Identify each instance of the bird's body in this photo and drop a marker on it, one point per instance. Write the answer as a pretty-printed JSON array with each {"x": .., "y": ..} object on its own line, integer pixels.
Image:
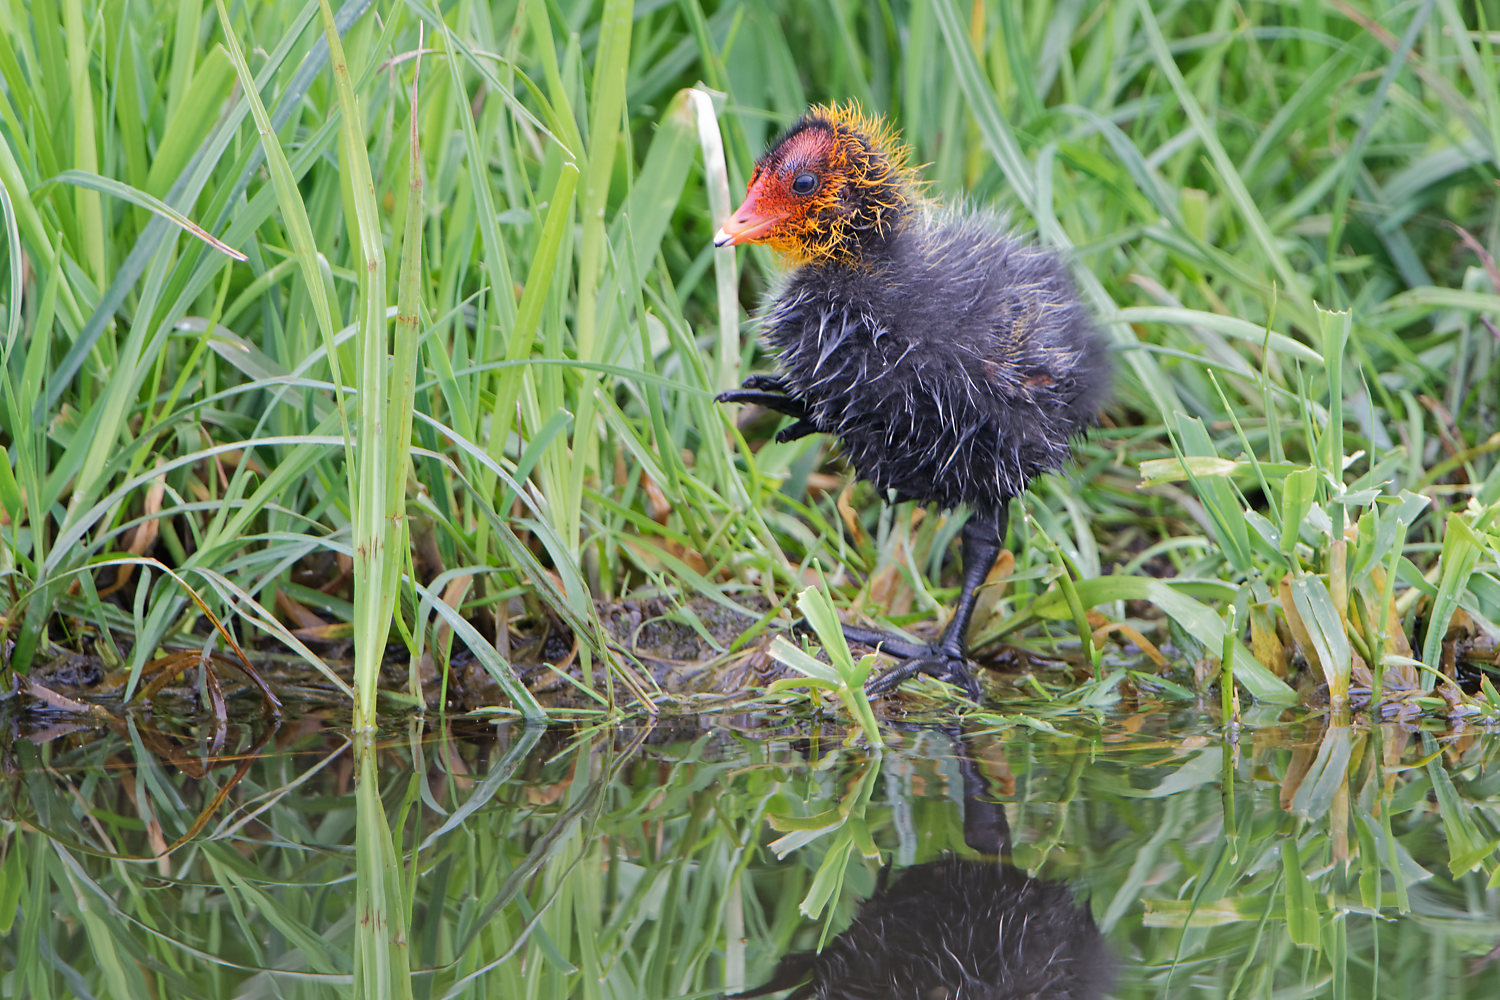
[
  {"x": 953, "y": 369},
  {"x": 953, "y": 362},
  {"x": 956, "y": 928}
]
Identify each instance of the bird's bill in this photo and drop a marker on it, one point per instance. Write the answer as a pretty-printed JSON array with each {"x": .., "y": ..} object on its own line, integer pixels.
[{"x": 748, "y": 224}]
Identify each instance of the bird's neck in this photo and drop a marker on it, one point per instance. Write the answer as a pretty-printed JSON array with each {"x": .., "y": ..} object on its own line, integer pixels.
[{"x": 865, "y": 245}]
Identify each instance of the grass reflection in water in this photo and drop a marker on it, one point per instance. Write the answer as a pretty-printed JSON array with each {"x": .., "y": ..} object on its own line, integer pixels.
[{"x": 680, "y": 863}]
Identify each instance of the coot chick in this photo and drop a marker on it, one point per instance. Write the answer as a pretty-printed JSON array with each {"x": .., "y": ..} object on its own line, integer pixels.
[
  {"x": 958, "y": 929},
  {"x": 953, "y": 361}
]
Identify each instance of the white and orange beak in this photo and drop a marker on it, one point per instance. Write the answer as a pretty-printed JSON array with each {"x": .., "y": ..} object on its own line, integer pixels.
[{"x": 749, "y": 222}]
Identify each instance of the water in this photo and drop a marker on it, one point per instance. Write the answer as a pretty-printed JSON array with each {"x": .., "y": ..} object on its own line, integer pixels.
[{"x": 673, "y": 861}]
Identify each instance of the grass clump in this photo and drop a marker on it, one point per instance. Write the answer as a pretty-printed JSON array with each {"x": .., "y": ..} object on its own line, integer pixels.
[{"x": 1285, "y": 216}]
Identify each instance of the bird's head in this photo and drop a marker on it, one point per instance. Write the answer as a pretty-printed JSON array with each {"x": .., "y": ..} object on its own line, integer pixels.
[{"x": 831, "y": 188}]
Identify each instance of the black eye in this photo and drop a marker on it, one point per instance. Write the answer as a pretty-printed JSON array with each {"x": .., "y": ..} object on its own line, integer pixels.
[{"x": 804, "y": 183}]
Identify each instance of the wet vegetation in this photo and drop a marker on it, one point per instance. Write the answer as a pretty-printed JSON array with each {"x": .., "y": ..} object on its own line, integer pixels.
[
  {"x": 1311, "y": 861},
  {"x": 1282, "y": 216},
  {"x": 358, "y": 359}
]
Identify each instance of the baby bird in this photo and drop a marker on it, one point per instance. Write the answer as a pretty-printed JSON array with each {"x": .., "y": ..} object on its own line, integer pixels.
[
  {"x": 960, "y": 928},
  {"x": 952, "y": 361}
]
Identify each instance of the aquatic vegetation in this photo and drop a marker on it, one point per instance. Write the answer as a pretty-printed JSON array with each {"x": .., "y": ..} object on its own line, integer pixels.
[
  {"x": 1283, "y": 219},
  {"x": 1310, "y": 860}
]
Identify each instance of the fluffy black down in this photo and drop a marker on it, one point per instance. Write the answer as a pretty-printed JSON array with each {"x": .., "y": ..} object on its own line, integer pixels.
[
  {"x": 957, "y": 930},
  {"x": 954, "y": 365}
]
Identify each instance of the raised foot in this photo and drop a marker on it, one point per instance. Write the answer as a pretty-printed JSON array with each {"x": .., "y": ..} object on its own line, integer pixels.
[
  {"x": 765, "y": 390},
  {"x": 766, "y": 383}
]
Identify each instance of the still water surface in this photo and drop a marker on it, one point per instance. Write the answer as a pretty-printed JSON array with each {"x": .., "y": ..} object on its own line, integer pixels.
[{"x": 1123, "y": 856}]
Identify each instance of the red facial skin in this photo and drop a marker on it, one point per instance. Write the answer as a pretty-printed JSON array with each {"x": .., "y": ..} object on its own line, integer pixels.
[
  {"x": 751, "y": 221},
  {"x": 834, "y": 174}
]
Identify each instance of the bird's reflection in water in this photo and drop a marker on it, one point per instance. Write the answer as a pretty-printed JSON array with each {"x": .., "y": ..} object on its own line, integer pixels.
[{"x": 958, "y": 929}]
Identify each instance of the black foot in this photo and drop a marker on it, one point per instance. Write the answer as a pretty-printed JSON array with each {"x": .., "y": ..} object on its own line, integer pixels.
[
  {"x": 937, "y": 664},
  {"x": 764, "y": 390},
  {"x": 797, "y": 431},
  {"x": 766, "y": 383},
  {"x": 918, "y": 658},
  {"x": 901, "y": 649},
  {"x": 770, "y": 400},
  {"x": 772, "y": 392}
]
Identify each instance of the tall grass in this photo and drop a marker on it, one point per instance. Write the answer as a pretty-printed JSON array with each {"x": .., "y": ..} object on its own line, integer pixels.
[{"x": 1284, "y": 216}]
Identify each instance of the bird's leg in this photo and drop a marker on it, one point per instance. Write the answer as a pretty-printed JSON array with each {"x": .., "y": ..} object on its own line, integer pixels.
[
  {"x": 772, "y": 392},
  {"x": 982, "y": 541},
  {"x": 948, "y": 658},
  {"x": 781, "y": 403},
  {"x": 985, "y": 827},
  {"x": 794, "y": 432}
]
